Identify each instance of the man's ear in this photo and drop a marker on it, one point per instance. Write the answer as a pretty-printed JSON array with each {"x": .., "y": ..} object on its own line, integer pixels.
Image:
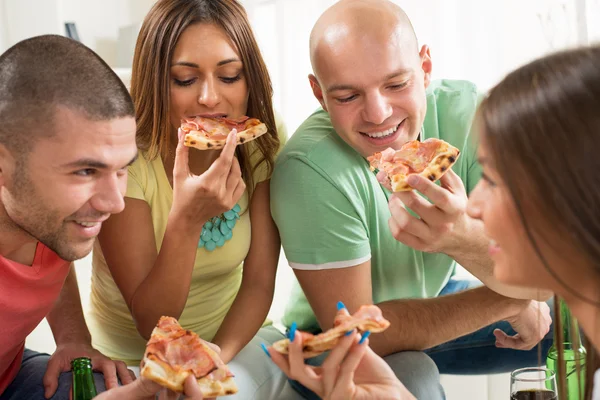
[
  {"x": 426, "y": 64},
  {"x": 316, "y": 89}
]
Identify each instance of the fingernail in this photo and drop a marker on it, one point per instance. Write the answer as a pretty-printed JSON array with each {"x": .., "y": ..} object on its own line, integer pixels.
[
  {"x": 265, "y": 350},
  {"x": 348, "y": 333},
  {"x": 340, "y": 305},
  {"x": 364, "y": 337},
  {"x": 292, "y": 332},
  {"x": 412, "y": 180},
  {"x": 179, "y": 134}
]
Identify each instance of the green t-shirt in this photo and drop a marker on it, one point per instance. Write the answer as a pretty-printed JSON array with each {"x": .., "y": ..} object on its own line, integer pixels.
[{"x": 332, "y": 213}]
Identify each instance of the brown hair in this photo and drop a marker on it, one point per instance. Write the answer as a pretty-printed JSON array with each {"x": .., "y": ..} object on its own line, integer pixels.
[
  {"x": 41, "y": 73},
  {"x": 541, "y": 125},
  {"x": 150, "y": 78}
]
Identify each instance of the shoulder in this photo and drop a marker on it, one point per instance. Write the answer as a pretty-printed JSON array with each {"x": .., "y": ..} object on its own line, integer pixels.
[
  {"x": 316, "y": 144},
  {"x": 453, "y": 99},
  {"x": 451, "y": 107},
  {"x": 143, "y": 167}
]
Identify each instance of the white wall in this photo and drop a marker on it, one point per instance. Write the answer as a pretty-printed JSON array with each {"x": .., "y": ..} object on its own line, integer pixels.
[
  {"x": 26, "y": 18},
  {"x": 97, "y": 21}
]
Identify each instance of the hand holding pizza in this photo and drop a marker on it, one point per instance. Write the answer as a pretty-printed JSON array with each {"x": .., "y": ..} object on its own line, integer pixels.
[
  {"x": 198, "y": 198},
  {"x": 441, "y": 221},
  {"x": 145, "y": 389},
  {"x": 352, "y": 371}
]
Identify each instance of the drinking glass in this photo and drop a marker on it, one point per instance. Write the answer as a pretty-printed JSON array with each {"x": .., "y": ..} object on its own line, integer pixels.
[{"x": 533, "y": 384}]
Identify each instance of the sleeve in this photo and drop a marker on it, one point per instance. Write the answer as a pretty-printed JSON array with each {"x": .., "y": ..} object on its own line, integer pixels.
[
  {"x": 319, "y": 227},
  {"x": 135, "y": 173},
  {"x": 261, "y": 173}
]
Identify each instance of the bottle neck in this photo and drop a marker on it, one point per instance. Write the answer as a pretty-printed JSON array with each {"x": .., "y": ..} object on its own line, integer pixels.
[{"x": 571, "y": 337}]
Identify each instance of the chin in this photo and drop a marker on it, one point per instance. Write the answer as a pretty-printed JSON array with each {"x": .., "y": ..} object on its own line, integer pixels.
[
  {"x": 74, "y": 253},
  {"x": 510, "y": 274}
]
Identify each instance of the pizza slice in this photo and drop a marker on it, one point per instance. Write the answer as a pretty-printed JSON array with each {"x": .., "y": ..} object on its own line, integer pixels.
[
  {"x": 367, "y": 318},
  {"x": 429, "y": 159},
  {"x": 173, "y": 353},
  {"x": 211, "y": 133}
]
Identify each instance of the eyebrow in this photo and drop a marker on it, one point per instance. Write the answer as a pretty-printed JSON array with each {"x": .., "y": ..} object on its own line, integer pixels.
[
  {"x": 334, "y": 88},
  {"x": 91, "y": 163},
  {"x": 194, "y": 65}
]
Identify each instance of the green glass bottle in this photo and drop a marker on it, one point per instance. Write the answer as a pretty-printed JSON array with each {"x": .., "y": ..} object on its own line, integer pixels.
[
  {"x": 84, "y": 387},
  {"x": 574, "y": 356}
]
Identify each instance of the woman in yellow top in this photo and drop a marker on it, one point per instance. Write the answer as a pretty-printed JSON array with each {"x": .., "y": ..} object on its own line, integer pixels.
[{"x": 192, "y": 243}]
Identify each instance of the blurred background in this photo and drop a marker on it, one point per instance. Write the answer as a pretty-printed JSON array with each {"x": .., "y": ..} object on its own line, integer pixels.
[{"x": 477, "y": 40}]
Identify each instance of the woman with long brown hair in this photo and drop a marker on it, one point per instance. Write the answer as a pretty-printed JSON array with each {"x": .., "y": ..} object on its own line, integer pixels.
[
  {"x": 196, "y": 240},
  {"x": 539, "y": 198}
]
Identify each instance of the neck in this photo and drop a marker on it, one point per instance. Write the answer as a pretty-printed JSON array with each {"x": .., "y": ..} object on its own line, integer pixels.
[
  {"x": 588, "y": 316},
  {"x": 15, "y": 244},
  {"x": 199, "y": 160}
]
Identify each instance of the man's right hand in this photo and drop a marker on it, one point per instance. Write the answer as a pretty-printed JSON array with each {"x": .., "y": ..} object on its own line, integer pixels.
[
  {"x": 145, "y": 389},
  {"x": 197, "y": 198},
  {"x": 532, "y": 323}
]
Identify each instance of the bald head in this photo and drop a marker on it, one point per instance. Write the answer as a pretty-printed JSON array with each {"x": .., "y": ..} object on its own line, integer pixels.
[{"x": 368, "y": 22}]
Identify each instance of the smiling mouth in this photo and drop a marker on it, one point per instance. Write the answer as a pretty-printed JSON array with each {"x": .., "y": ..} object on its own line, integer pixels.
[{"x": 383, "y": 134}]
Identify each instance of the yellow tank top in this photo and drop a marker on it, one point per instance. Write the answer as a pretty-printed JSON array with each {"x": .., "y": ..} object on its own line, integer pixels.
[{"x": 216, "y": 278}]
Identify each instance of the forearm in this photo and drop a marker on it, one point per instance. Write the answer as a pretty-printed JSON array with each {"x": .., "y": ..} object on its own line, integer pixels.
[
  {"x": 66, "y": 317},
  {"x": 245, "y": 317},
  {"x": 419, "y": 324},
  {"x": 169, "y": 279}
]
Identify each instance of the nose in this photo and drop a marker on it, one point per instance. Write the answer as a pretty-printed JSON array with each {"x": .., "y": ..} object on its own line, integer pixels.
[
  {"x": 475, "y": 203},
  {"x": 377, "y": 109},
  {"x": 209, "y": 94},
  {"x": 110, "y": 195}
]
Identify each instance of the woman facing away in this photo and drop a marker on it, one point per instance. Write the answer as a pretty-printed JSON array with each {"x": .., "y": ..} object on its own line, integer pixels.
[
  {"x": 194, "y": 58},
  {"x": 539, "y": 200}
]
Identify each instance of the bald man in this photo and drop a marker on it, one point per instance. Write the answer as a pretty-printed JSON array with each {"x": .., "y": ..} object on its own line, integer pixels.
[{"x": 350, "y": 239}]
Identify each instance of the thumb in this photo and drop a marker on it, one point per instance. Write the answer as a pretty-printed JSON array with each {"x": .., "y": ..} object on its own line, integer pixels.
[
  {"x": 503, "y": 341},
  {"x": 181, "y": 167},
  {"x": 50, "y": 379},
  {"x": 191, "y": 388},
  {"x": 451, "y": 181}
]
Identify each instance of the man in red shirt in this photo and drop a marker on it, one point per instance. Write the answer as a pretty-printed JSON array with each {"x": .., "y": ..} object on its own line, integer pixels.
[{"x": 67, "y": 135}]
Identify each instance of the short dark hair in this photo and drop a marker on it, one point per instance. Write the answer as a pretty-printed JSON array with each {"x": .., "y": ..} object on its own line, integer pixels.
[{"x": 39, "y": 74}]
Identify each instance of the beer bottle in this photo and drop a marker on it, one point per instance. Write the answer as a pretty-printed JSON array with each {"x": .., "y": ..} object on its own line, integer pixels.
[
  {"x": 83, "y": 379},
  {"x": 574, "y": 356}
]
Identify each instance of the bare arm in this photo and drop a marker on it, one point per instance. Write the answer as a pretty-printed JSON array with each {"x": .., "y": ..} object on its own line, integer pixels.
[
  {"x": 143, "y": 274},
  {"x": 66, "y": 317},
  {"x": 129, "y": 246},
  {"x": 73, "y": 340},
  {"x": 416, "y": 324},
  {"x": 252, "y": 303}
]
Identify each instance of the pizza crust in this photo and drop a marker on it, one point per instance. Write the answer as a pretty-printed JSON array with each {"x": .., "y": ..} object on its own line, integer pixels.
[
  {"x": 198, "y": 141},
  {"x": 161, "y": 373},
  {"x": 438, "y": 166},
  {"x": 312, "y": 345}
]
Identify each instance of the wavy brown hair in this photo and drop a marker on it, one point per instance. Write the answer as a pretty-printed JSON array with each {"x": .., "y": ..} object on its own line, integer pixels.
[
  {"x": 541, "y": 126},
  {"x": 150, "y": 80}
]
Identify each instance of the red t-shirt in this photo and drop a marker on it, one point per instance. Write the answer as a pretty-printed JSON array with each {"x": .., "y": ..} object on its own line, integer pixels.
[{"x": 27, "y": 294}]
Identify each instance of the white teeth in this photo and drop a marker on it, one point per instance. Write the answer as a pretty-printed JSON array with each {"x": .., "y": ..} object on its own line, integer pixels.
[
  {"x": 382, "y": 134},
  {"x": 87, "y": 224}
]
